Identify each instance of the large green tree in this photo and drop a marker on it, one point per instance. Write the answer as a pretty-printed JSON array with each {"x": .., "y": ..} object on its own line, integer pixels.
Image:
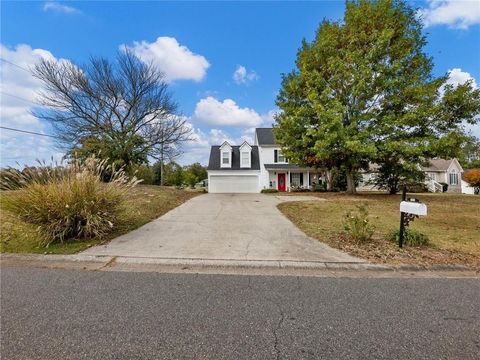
[{"x": 363, "y": 91}]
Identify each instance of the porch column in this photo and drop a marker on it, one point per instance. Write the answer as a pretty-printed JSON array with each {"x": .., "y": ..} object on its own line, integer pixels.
[
  {"x": 308, "y": 179},
  {"x": 288, "y": 180}
]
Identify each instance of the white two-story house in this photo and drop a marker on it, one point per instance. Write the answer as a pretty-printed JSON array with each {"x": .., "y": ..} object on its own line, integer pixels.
[{"x": 249, "y": 168}]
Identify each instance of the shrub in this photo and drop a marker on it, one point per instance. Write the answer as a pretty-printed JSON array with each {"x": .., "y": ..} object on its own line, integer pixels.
[
  {"x": 357, "y": 225},
  {"x": 76, "y": 205},
  {"x": 322, "y": 187},
  {"x": 472, "y": 177},
  {"x": 297, "y": 188},
  {"x": 269, "y": 191},
  {"x": 417, "y": 187},
  {"x": 144, "y": 173},
  {"x": 412, "y": 237},
  {"x": 444, "y": 186}
]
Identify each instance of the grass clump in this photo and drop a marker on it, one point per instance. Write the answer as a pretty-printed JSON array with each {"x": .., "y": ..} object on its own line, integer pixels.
[
  {"x": 357, "y": 224},
  {"x": 411, "y": 237},
  {"x": 14, "y": 179},
  {"x": 73, "y": 204}
]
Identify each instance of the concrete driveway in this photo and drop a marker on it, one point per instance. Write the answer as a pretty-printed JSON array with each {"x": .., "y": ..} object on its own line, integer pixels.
[{"x": 223, "y": 227}]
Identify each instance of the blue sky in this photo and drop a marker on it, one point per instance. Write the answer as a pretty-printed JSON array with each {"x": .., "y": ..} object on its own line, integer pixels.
[{"x": 223, "y": 60}]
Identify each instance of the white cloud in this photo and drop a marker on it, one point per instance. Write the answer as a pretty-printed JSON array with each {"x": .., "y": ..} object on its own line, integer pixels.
[
  {"x": 456, "y": 77},
  {"x": 242, "y": 76},
  {"x": 457, "y": 14},
  {"x": 175, "y": 60},
  {"x": 198, "y": 150},
  {"x": 18, "y": 93},
  {"x": 269, "y": 118},
  {"x": 225, "y": 113},
  {"x": 55, "y": 6}
]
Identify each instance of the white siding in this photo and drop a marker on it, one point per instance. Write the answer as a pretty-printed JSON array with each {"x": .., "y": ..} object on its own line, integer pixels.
[{"x": 266, "y": 154}]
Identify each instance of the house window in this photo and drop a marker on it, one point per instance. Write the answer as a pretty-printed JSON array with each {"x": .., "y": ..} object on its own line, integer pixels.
[
  {"x": 432, "y": 176},
  {"x": 281, "y": 158},
  {"x": 225, "y": 158},
  {"x": 295, "y": 179},
  {"x": 453, "y": 178},
  {"x": 245, "y": 158}
]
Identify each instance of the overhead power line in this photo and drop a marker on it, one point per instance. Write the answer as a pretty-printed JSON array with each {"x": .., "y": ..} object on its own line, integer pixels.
[
  {"x": 19, "y": 97},
  {"x": 28, "y": 132},
  {"x": 18, "y": 66}
]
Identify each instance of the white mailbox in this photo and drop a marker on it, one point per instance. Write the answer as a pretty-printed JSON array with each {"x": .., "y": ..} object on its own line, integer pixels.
[{"x": 415, "y": 208}]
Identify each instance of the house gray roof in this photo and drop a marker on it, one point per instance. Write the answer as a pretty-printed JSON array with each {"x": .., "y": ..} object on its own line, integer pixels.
[
  {"x": 285, "y": 167},
  {"x": 437, "y": 165},
  {"x": 214, "y": 162},
  {"x": 265, "y": 136}
]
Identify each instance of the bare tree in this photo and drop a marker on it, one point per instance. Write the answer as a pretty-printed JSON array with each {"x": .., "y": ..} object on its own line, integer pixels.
[
  {"x": 123, "y": 106},
  {"x": 172, "y": 133}
]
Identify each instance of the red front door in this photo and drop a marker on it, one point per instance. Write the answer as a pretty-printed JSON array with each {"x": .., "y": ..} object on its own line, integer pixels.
[{"x": 281, "y": 182}]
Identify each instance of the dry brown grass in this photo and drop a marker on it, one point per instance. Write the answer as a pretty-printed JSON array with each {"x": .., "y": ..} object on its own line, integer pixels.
[
  {"x": 452, "y": 225},
  {"x": 144, "y": 203}
]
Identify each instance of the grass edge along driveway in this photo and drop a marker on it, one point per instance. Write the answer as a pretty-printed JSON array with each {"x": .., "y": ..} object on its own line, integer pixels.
[
  {"x": 452, "y": 225},
  {"x": 144, "y": 203}
]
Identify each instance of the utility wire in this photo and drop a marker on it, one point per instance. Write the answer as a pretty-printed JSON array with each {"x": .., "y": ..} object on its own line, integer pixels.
[
  {"x": 20, "y": 98},
  {"x": 27, "y": 132},
  {"x": 20, "y": 67}
]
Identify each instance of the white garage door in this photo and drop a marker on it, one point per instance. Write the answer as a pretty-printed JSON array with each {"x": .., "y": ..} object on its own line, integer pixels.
[{"x": 233, "y": 184}]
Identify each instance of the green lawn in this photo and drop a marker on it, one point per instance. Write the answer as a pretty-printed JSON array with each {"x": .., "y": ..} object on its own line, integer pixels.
[
  {"x": 452, "y": 225},
  {"x": 144, "y": 203}
]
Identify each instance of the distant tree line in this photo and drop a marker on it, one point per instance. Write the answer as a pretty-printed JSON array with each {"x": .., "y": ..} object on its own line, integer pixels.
[{"x": 173, "y": 174}]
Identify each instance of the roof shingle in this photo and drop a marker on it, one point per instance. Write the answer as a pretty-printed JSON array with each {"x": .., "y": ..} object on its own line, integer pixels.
[
  {"x": 214, "y": 161},
  {"x": 265, "y": 136},
  {"x": 437, "y": 165}
]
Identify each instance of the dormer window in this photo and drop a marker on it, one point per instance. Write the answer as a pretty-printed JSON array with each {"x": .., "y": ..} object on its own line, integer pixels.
[
  {"x": 225, "y": 158},
  {"x": 245, "y": 159},
  {"x": 225, "y": 155},
  {"x": 245, "y": 155}
]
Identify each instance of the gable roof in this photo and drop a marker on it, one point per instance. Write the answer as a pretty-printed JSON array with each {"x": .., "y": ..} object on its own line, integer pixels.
[
  {"x": 437, "y": 165},
  {"x": 245, "y": 143},
  {"x": 214, "y": 161},
  {"x": 265, "y": 136},
  {"x": 225, "y": 143}
]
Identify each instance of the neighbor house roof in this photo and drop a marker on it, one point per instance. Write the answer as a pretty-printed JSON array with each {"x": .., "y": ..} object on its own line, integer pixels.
[
  {"x": 285, "y": 167},
  {"x": 265, "y": 136},
  {"x": 214, "y": 162},
  {"x": 437, "y": 165}
]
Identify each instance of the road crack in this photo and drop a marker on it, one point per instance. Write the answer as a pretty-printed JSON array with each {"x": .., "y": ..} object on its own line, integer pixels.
[
  {"x": 247, "y": 250},
  {"x": 276, "y": 329}
]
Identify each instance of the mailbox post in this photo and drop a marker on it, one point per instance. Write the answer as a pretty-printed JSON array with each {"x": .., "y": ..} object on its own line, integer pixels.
[
  {"x": 409, "y": 210},
  {"x": 402, "y": 218}
]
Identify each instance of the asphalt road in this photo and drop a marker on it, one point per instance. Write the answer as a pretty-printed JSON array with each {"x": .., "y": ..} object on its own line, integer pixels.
[{"x": 71, "y": 314}]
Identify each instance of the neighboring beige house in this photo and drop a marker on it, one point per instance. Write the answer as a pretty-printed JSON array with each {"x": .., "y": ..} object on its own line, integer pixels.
[
  {"x": 438, "y": 171},
  {"x": 444, "y": 171}
]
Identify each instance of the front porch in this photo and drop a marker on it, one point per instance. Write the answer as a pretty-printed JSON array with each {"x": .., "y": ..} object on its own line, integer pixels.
[{"x": 293, "y": 178}]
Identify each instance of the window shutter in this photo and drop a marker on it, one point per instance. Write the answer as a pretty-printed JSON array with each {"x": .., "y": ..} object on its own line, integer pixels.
[
  {"x": 275, "y": 155},
  {"x": 301, "y": 179},
  {"x": 290, "y": 179}
]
